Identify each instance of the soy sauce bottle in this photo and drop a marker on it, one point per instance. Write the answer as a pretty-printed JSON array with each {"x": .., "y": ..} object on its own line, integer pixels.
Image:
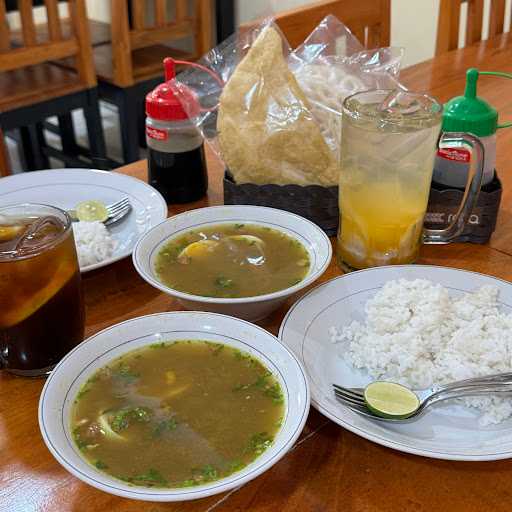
[{"x": 177, "y": 167}]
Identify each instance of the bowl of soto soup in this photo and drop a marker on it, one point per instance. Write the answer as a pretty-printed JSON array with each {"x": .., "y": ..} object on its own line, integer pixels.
[
  {"x": 174, "y": 406},
  {"x": 243, "y": 261}
]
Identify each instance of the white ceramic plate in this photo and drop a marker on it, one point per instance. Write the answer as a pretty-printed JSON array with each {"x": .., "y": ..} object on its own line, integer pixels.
[
  {"x": 447, "y": 431},
  {"x": 71, "y": 373},
  {"x": 65, "y": 188},
  {"x": 314, "y": 240}
]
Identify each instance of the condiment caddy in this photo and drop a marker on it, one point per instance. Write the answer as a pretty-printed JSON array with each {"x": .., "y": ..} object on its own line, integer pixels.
[{"x": 467, "y": 113}]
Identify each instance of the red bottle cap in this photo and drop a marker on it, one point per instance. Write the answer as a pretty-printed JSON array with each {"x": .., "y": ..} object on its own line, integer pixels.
[{"x": 162, "y": 103}]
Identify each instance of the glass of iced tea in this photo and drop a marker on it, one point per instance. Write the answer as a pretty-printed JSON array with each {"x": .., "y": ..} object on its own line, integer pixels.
[{"x": 42, "y": 312}]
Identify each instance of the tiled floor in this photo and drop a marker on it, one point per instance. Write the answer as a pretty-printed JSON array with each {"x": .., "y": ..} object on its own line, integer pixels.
[{"x": 110, "y": 121}]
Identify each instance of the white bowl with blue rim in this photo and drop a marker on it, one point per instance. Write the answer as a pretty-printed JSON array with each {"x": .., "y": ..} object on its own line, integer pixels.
[
  {"x": 314, "y": 240},
  {"x": 81, "y": 363}
]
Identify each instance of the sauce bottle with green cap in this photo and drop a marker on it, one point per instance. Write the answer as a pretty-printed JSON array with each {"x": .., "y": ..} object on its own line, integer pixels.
[{"x": 470, "y": 114}]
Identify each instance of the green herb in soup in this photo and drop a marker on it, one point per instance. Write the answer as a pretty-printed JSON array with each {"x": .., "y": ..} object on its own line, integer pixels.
[
  {"x": 232, "y": 260},
  {"x": 177, "y": 414}
]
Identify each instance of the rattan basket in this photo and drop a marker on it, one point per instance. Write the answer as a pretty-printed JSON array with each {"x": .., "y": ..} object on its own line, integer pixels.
[
  {"x": 316, "y": 203},
  {"x": 320, "y": 205},
  {"x": 443, "y": 203}
]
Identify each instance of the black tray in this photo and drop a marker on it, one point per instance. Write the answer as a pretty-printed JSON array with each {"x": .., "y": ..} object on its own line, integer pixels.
[
  {"x": 444, "y": 202},
  {"x": 316, "y": 203},
  {"x": 320, "y": 205}
]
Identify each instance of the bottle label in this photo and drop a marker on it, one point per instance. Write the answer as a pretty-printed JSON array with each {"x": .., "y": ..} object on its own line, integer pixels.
[
  {"x": 157, "y": 133},
  {"x": 455, "y": 154}
]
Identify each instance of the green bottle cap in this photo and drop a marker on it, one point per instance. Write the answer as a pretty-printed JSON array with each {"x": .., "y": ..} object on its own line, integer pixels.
[{"x": 469, "y": 113}]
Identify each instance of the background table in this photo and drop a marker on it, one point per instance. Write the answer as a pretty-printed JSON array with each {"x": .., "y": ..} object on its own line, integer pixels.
[{"x": 329, "y": 469}]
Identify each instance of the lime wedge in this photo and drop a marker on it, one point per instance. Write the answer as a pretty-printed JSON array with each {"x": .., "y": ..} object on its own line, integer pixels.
[
  {"x": 390, "y": 400},
  {"x": 22, "y": 307},
  {"x": 89, "y": 211},
  {"x": 8, "y": 233}
]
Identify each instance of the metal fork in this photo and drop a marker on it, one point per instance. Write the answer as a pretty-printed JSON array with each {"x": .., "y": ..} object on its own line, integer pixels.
[
  {"x": 499, "y": 383},
  {"x": 116, "y": 211}
]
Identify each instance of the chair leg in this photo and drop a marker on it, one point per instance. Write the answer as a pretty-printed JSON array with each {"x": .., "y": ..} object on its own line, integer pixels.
[
  {"x": 5, "y": 163},
  {"x": 30, "y": 150},
  {"x": 141, "y": 124},
  {"x": 128, "y": 120},
  {"x": 25, "y": 150},
  {"x": 95, "y": 130},
  {"x": 67, "y": 135},
  {"x": 41, "y": 145}
]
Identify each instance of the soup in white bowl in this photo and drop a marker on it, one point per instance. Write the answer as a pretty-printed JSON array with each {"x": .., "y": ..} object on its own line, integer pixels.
[
  {"x": 275, "y": 380},
  {"x": 243, "y": 261}
]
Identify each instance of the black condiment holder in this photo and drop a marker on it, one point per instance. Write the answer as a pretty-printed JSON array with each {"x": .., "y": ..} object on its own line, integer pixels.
[
  {"x": 444, "y": 202},
  {"x": 320, "y": 205},
  {"x": 316, "y": 203}
]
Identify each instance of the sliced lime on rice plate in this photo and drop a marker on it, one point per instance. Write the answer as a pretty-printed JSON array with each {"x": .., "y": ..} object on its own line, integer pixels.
[
  {"x": 90, "y": 211},
  {"x": 390, "y": 400}
]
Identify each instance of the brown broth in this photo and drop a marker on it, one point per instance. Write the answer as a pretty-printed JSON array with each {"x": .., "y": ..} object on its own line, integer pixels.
[
  {"x": 177, "y": 414},
  {"x": 232, "y": 260}
]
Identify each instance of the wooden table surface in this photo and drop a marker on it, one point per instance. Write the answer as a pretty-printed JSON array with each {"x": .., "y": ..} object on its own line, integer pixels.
[{"x": 329, "y": 469}]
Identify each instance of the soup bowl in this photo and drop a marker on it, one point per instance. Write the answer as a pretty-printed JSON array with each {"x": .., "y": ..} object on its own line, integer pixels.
[
  {"x": 312, "y": 238},
  {"x": 68, "y": 377}
]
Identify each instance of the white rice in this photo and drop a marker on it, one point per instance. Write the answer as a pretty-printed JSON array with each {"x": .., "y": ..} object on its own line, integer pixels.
[
  {"x": 93, "y": 242},
  {"x": 417, "y": 334}
]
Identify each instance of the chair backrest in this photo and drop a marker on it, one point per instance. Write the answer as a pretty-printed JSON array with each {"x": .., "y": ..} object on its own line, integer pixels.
[
  {"x": 448, "y": 25},
  {"x": 56, "y": 46},
  {"x": 369, "y": 20},
  {"x": 164, "y": 28}
]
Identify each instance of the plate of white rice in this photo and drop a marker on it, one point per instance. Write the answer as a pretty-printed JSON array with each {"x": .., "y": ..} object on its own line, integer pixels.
[
  {"x": 416, "y": 325},
  {"x": 97, "y": 245}
]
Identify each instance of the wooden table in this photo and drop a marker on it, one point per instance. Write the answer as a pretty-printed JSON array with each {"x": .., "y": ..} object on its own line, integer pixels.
[{"x": 330, "y": 469}]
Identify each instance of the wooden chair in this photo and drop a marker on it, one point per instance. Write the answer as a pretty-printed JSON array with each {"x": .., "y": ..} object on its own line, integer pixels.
[
  {"x": 32, "y": 89},
  {"x": 5, "y": 164},
  {"x": 131, "y": 65},
  {"x": 449, "y": 22},
  {"x": 369, "y": 20},
  {"x": 98, "y": 30}
]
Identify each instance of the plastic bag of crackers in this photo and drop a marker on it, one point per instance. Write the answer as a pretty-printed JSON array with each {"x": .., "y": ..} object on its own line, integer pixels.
[{"x": 273, "y": 115}]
